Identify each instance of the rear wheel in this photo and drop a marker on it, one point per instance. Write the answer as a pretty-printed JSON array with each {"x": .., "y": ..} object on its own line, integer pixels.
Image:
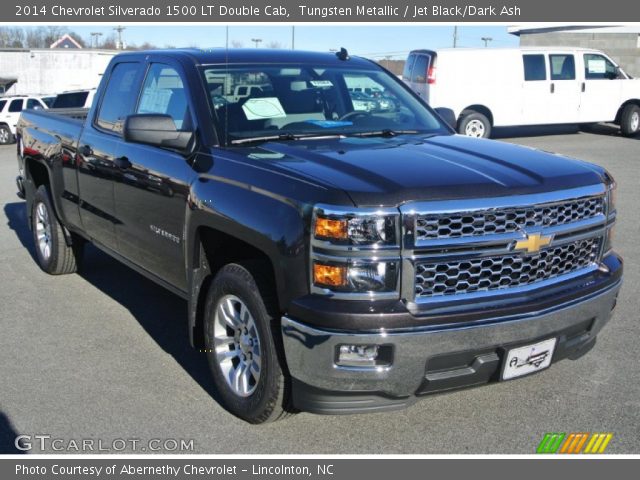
[
  {"x": 52, "y": 252},
  {"x": 240, "y": 336},
  {"x": 630, "y": 120},
  {"x": 474, "y": 124},
  {"x": 6, "y": 137}
]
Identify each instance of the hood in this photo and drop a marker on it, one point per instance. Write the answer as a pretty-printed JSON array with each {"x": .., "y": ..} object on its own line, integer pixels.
[{"x": 391, "y": 171}]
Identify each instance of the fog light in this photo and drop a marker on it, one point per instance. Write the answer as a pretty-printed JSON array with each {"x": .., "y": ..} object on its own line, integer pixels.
[
  {"x": 329, "y": 275},
  {"x": 363, "y": 355}
]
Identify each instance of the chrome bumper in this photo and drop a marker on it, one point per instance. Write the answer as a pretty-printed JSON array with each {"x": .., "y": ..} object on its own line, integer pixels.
[{"x": 311, "y": 353}]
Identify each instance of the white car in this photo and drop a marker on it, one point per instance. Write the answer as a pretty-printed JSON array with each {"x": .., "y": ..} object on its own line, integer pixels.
[
  {"x": 10, "y": 109},
  {"x": 488, "y": 87}
]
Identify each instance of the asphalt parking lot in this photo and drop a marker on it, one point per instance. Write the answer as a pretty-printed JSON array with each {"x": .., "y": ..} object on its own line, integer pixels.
[{"x": 104, "y": 355}]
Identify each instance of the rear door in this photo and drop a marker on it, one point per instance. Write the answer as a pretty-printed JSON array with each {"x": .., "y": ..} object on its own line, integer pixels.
[
  {"x": 97, "y": 152},
  {"x": 564, "y": 99},
  {"x": 601, "y": 89},
  {"x": 420, "y": 75}
]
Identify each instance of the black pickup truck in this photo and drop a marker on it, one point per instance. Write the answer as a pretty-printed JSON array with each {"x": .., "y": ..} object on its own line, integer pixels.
[{"x": 341, "y": 249}]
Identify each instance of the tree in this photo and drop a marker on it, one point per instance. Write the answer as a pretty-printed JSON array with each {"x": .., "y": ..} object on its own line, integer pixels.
[
  {"x": 274, "y": 44},
  {"x": 236, "y": 44}
]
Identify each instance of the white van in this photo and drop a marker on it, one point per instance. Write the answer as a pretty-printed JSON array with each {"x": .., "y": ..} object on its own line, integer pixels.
[{"x": 489, "y": 87}]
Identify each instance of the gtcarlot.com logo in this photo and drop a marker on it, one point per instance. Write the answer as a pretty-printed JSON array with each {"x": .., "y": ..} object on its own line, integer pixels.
[
  {"x": 48, "y": 443},
  {"x": 589, "y": 443}
]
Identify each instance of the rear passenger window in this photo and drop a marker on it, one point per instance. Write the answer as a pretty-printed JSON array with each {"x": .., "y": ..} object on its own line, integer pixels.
[
  {"x": 2, "y": 104},
  {"x": 419, "y": 74},
  {"x": 563, "y": 67},
  {"x": 163, "y": 92},
  {"x": 534, "y": 68},
  {"x": 15, "y": 105},
  {"x": 406, "y": 73},
  {"x": 119, "y": 97}
]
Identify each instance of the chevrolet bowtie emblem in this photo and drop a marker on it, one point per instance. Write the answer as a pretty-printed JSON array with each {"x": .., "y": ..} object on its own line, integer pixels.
[{"x": 533, "y": 242}]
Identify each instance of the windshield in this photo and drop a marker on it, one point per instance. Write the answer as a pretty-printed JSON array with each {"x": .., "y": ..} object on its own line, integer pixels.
[{"x": 260, "y": 102}]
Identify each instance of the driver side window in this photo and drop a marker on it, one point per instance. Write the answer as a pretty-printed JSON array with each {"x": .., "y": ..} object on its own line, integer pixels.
[{"x": 163, "y": 92}]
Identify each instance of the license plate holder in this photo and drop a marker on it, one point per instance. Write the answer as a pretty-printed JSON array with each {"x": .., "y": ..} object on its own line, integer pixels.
[{"x": 527, "y": 359}]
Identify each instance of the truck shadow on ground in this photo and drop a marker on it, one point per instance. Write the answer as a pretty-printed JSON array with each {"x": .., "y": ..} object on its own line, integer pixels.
[
  {"x": 8, "y": 437},
  {"x": 162, "y": 314}
]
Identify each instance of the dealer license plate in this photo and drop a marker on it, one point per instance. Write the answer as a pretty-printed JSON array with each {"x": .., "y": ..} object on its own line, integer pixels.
[{"x": 531, "y": 358}]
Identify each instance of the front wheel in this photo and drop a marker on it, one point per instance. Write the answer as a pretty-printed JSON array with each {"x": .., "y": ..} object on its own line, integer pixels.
[
  {"x": 240, "y": 336},
  {"x": 630, "y": 120},
  {"x": 474, "y": 124}
]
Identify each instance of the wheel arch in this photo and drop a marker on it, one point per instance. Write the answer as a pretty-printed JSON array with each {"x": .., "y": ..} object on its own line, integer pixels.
[{"x": 484, "y": 110}]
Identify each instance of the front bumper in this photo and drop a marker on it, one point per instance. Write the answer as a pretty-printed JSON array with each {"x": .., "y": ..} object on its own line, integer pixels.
[{"x": 431, "y": 359}]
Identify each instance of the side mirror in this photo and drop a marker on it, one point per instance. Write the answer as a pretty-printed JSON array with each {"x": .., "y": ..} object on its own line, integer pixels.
[
  {"x": 447, "y": 116},
  {"x": 155, "y": 129}
]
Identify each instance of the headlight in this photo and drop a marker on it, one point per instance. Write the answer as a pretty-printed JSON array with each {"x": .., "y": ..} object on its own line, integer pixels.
[
  {"x": 355, "y": 253},
  {"x": 356, "y": 276},
  {"x": 349, "y": 228}
]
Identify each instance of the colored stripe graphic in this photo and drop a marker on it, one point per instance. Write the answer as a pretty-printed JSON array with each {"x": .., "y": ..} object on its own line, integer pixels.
[
  {"x": 598, "y": 443},
  {"x": 573, "y": 443},
  {"x": 550, "y": 443}
]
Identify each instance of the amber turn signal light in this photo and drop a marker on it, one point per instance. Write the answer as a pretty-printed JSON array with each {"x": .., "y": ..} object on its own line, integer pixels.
[
  {"x": 327, "y": 228},
  {"x": 329, "y": 275}
]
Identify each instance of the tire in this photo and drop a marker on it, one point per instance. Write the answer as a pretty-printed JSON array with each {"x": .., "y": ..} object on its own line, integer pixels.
[
  {"x": 474, "y": 124},
  {"x": 6, "y": 137},
  {"x": 52, "y": 252},
  {"x": 630, "y": 120},
  {"x": 242, "y": 340}
]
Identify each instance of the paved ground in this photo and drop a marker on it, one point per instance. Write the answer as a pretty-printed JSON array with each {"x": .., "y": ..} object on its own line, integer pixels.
[{"x": 104, "y": 355}]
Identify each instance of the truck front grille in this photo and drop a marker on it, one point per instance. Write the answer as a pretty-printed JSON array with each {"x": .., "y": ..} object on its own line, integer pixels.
[
  {"x": 485, "y": 222},
  {"x": 506, "y": 271}
]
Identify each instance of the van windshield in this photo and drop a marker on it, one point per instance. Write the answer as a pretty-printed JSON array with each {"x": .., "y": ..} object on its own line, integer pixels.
[{"x": 286, "y": 101}]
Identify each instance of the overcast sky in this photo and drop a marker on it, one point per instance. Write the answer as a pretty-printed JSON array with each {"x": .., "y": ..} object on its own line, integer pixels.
[{"x": 373, "y": 41}]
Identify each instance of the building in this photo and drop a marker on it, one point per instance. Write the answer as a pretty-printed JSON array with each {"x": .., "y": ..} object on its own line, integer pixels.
[
  {"x": 51, "y": 71},
  {"x": 66, "y": 41},
  {"x": 622, "y": 43}
]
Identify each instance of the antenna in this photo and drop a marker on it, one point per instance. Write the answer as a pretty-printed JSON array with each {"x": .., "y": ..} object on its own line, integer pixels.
[{"x": 343, "y": 54}]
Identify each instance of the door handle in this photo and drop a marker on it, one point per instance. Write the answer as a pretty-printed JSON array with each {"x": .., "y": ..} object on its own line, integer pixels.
[
  {"x": 583, "y": 87},
  {"x": 553, "y": 87},
  {"x": 86, "y": 151},
  {"x": 122, "y": 163}
]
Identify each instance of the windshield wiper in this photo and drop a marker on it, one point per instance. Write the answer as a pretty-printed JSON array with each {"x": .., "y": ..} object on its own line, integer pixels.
[
  {"x": 283, "y": 137},
  {"x": 387, "y": 132}
]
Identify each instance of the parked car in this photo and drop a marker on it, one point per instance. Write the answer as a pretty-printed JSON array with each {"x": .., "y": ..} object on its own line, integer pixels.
[
  {"x": 334, "y": 260},
  {"x": 48, "y": 100},
  {"x": 492, "y": 87},
  {"x": 74, "y": 99},
  {"x": 10, "y": 109}
]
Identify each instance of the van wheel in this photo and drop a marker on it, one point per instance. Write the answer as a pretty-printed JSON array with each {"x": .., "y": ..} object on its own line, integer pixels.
[
  {"x": 241, "y": 337},
  {"x": 6, "y": 137},
  {"x": 474, "y": 124},
  {"x": 52, "y": 252},
  {"x": 630, "y": 120}
]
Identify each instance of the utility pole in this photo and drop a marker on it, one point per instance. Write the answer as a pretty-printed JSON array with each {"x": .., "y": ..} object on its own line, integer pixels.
[
  {"x": 486, "y": 41},
  {"x": 293, "y": 37},
  {"x": 256, "y": 41},
  {"x": 94, "y": 38},
  {"x": 120, "y": 29},
  {"x": 455, "y": 36}
]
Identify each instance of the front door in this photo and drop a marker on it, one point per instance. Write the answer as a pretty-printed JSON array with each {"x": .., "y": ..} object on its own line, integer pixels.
[
  {"x": 151, "y": 197},
  {"x": 601, "y": 89}
]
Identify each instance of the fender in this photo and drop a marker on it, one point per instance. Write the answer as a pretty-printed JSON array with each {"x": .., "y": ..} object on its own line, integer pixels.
[{"x": 275, "y": 226}]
